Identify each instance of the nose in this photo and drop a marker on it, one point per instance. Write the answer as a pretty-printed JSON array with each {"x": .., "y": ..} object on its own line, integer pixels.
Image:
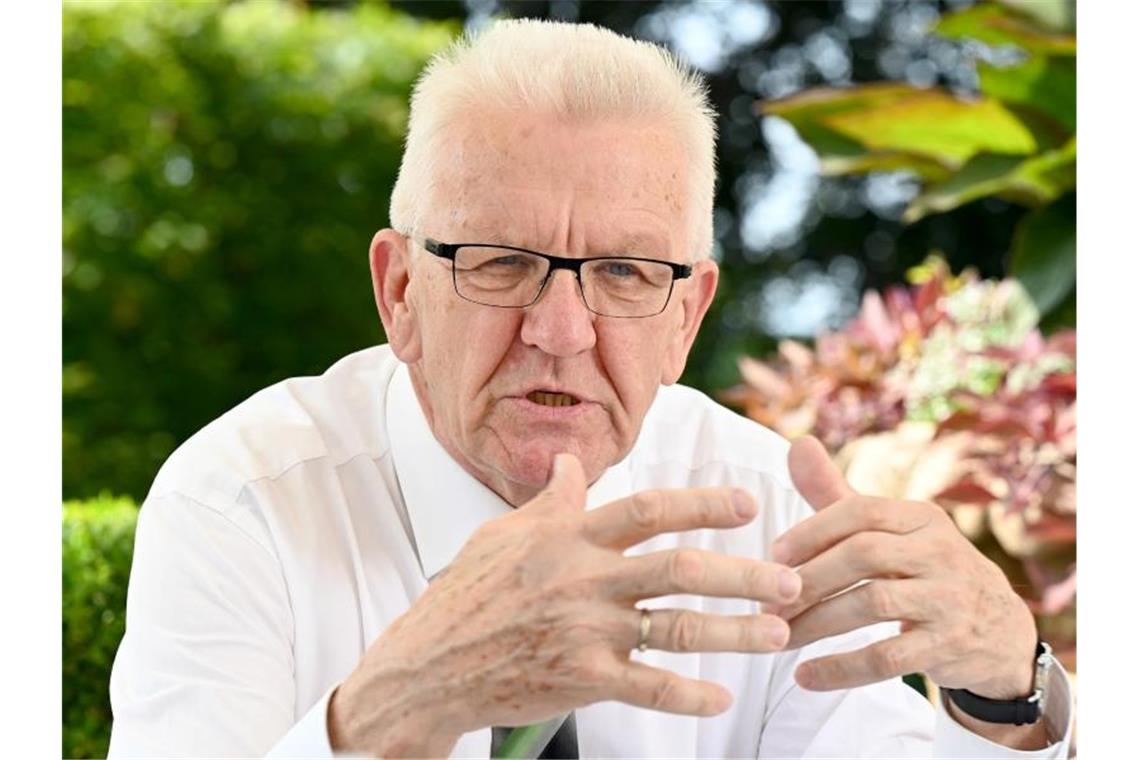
[{"x": 559, "y": 322}]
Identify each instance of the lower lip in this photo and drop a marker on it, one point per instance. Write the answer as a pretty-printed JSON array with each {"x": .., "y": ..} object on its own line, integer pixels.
[{"x": 551, "y": 413}]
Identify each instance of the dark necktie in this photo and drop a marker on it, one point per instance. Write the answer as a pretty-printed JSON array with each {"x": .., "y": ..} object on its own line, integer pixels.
[{"x": 563, "y": 746}]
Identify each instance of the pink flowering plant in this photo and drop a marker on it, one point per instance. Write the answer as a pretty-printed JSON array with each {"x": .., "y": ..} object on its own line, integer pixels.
[{"x": 945, "y": 390}]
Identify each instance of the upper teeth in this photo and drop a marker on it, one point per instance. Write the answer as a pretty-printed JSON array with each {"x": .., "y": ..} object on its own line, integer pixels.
[{"x": 551, "y": 399}]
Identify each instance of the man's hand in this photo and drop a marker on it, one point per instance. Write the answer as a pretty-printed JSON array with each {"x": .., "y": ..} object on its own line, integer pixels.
[
  {"x": 536, "y": 616},
  {"x": 962, "y": 623}
]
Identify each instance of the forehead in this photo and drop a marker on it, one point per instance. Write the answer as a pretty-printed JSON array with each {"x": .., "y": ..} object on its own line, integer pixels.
[{"x": 548, "y": 183}]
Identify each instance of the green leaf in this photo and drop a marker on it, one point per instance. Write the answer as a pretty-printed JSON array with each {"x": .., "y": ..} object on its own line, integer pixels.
[
  {"x": 821, "y": 101},
  {"x": 884, "y": 161},
  {"x": 1044, "y": 255},
  {"x": 1031, "y": 181},
  {"x": 937, "y": 125},
  {"x": 995, "y": 25},
  {"x": 982, "y": 175},
  {"x": 1044, "y": 83},
  {"x": 1058, "y": 15},
  {"x": 805, "y": 110}
]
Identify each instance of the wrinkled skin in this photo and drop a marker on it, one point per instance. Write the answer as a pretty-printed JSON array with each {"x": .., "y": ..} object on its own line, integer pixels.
[
  {"x": 478, "y": 648},
  {"x": 575, "y": 190},
  {"x": 963, "y": 625},
  {"x": 535, "y": 617}
]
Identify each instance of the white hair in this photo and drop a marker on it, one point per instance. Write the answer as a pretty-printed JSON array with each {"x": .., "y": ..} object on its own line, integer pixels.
[{"x": 571, "y": 71}]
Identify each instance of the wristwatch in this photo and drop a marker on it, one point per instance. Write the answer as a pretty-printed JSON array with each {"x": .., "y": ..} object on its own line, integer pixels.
[{"x": 1016, "y": 711}]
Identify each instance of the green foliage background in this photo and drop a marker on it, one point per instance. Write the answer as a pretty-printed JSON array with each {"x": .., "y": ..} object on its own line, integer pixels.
[
  {"x": 98, "y": 540},
  {"x": 224, "y": 168},
  {"x": 225, "y": 164}
]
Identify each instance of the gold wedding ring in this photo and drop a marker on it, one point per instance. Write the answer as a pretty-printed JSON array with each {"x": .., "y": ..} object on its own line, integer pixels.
[{"x": 643, "y": 631}]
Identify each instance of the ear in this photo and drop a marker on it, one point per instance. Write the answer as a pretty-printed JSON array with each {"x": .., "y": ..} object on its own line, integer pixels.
[
  {"x": 696, "y": 294},
  {"x": 390, "y": 260}
]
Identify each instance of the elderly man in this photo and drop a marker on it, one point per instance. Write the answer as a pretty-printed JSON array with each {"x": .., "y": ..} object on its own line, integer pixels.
[{"x": 511, "y": 512}]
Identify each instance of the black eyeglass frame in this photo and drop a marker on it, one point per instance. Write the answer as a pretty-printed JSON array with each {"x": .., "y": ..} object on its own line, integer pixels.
[{"x": 450, "y": 250}]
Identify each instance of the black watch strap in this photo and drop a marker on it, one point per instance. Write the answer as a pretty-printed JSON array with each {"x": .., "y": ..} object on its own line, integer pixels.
[{"x": 1012, "y": 711}]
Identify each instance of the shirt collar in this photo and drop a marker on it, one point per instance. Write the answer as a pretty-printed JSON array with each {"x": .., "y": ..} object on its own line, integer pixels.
[{"x": 445, "y": 503}]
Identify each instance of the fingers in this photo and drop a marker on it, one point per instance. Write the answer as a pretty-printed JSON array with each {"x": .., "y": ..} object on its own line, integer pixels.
[
  {"x": 567, "y": 485},
  {"x": 645, "y": 686},
  {"x": 814, "y": 475},
  {"x": 639, "y": 517},
  {"x": 872, "y": 554},
  {"x": 868, "y": 603},
  {"x": 845, "y": 518},
  {"x": 688, "y": 631},
  {"x": 695, "y": 571},
  {"x": 910, "y": 652}
]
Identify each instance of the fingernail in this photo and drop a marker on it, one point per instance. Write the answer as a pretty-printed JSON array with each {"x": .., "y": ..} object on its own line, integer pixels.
[
  {"x": 779, "y": 634},
  {"x": 805, "y": 676},
  {"x": 743, "y": 504},
  {"x": 789, "y": 584}
]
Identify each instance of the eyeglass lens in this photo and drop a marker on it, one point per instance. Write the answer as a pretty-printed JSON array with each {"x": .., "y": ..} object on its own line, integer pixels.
[{"x": 619, "y": 287}]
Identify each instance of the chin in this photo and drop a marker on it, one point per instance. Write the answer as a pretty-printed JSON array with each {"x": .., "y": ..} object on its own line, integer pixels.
[{"x": 530, "y": 464}]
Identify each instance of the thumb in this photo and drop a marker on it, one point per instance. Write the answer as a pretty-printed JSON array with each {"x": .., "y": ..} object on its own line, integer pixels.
[
  {"x": 814, "y": 475},
  {"x": 567, "y": 484}
]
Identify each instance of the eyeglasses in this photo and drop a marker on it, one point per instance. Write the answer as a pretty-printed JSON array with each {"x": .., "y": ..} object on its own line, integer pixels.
[{"x": 514, "y": 278}]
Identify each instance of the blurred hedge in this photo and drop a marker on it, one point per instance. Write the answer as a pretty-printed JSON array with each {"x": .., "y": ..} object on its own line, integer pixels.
[
  {"x": 98, "y": 538},
  {"x": 225, "y": 166}
]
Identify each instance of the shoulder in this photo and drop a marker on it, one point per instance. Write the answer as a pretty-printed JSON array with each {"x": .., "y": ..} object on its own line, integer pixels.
[
  {"x": 687, "y": 428},
  {"x": 332, "y": 417}
]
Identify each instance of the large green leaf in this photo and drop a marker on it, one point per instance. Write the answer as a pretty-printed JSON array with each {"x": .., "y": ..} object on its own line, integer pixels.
[
  {"x": 928, "y": 169},
  {"x": 804, "y": 111},
  {"x": 1043, "y": 83},
  {"x": 935, "y": 124},
  {"x": 982, "y": 175},
  {"x": 1045, "y": 252},
  {"x": 817, "y": 102},
  {"x": 1031, "y": 181},
  {"x": 996, "y": 25},
  {"x": 1058, "y": 15}
]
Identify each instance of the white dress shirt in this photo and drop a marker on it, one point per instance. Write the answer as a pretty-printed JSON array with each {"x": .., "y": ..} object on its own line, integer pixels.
[{"x": 281, "y": 540}]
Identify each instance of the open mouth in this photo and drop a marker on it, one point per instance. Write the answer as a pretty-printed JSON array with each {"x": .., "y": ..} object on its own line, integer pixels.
[{"x": 546, "y": 398}]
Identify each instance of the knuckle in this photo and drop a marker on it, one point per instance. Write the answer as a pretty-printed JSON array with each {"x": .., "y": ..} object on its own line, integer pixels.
[
  {"x": 875, "y": 514},
  {"x": 645, "y": 511},
  {"x": 685, "y": 631},
  {"x": 759, "y": 580},
  {"x": 686, "y": 569},
  {"x": 749, "y": 637},
  {"x": 881, "y": 601},
  {"x": 709, "y": 509},
  {"x": 936, "y": 514},
  {"x": 588, "y": 670},
  {"x": 864, "y": 549},
  {"x": 887, "y": 660},
  {"x": 663, "y": 693}
]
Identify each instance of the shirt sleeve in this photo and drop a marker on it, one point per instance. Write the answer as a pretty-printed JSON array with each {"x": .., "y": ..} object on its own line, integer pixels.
[
  {"x": 887, "y": 719},
  {"x": 205, "y": 668}
]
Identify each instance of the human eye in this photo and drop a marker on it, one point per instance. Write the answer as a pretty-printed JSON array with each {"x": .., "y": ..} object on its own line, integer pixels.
[
  {"x": 498, "y": 261},
  {"x": 620, "y": 269},
  {"x": 508, "y": 261}
]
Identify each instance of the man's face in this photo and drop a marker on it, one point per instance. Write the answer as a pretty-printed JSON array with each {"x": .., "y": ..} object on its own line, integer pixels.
[{"x": 569, "y": 190}]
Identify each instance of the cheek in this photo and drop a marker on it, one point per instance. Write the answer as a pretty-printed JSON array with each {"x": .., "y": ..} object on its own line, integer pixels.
[
  {"x": 632, "y": 357},
  {"x": 464, "y": 344}
]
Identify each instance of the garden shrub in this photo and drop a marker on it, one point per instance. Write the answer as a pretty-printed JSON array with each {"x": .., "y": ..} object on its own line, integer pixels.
[
  {"x": 225, "y": 166},
  {"x": 98, "y": 539}
]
